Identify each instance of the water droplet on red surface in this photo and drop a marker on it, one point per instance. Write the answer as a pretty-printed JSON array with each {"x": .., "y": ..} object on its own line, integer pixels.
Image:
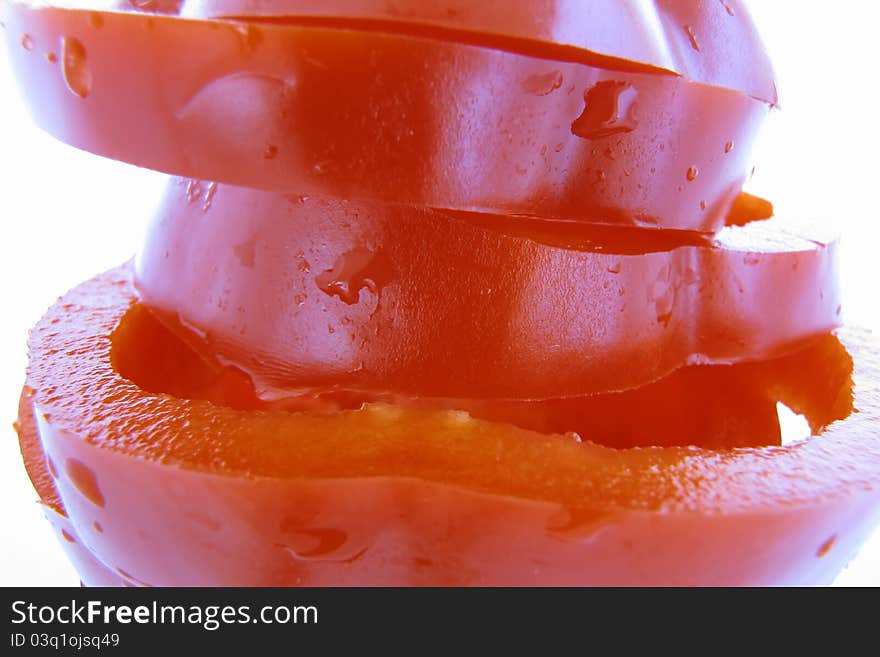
[
  {"x": 662, "y": 294},
  {"x": 576, "y": 524},
  {"x": 209, "y": 196},
  {"x": 193, "y": 191},
  {"x": 353, "y": 271},
  {"x": 27, "y": 42},
  {"x": 825, "y": 548},
  {"x": 692, "y": 173},
  {"x": 609, "y": 109},
  {"x": 320, "y": 544},
  {"x": 84, "y": 480},
  {"x": 692, "y": 37},
  {"x": 74, "y": 67},
  {"x": 542, "y": 84}
]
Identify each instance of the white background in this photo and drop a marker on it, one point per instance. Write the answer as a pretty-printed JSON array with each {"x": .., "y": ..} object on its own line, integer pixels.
[{"x": 66, "y": 215}]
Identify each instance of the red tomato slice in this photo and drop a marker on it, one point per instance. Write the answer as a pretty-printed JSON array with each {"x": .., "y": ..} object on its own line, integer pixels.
[
  {"x": 399, "y": 118},
  {"x": 710, "y": 42},
  {"x": 318, "y": 293},
  {"x": 192, "y": 492}
]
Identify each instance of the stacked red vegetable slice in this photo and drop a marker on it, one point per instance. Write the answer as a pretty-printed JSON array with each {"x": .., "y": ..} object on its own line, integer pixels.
[
  {"x": 442, "y": 282},
  {"x": 323, "y": 292},
  {"x": 308, "y": 109}
]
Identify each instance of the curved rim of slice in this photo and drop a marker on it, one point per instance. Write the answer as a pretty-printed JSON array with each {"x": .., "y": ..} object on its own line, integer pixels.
[
  {"x": 405, "y": 119},
  {"x": 38, "y": 467},
  {"x": 78, "y": 391},
  {"x": 700, "y": 41}
]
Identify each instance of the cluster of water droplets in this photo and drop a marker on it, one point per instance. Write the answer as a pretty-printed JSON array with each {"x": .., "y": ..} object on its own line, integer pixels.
[
  {"x": 197, "y": 191},
  {"x": 75, "y": 69}
]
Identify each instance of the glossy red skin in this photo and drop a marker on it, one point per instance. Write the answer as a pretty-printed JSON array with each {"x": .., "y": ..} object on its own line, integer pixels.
[
  {"x": 411, "y": 119},
  {"x": 189, "y": 492},
  {"x": 710, "y": 42},
  {"x": 464, "y": 306}
]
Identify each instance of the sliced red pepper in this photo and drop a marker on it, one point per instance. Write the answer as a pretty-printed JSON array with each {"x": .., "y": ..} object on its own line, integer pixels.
[
  {"x": 710, "y": 42},
  {"x": 42, "y": 472},
  {"x": 685, "y": 408},
  {"x": 317, "y": 293},
  {"x": 192, "y": 492},
  {"x": 365, "y": 114}
]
